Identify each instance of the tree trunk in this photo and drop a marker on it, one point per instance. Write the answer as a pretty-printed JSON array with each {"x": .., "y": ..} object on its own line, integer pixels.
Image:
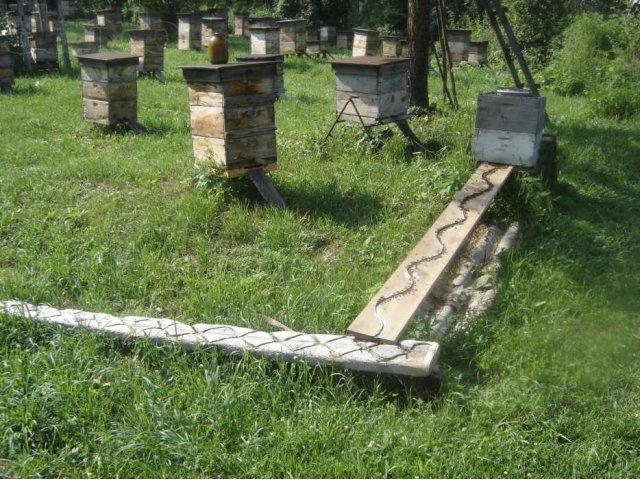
[{"x": 418, "y": 47}]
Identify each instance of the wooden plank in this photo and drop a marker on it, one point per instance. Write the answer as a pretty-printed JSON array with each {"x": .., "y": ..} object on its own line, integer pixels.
[
  {"x": 265, "y": 186},
  {"x": 511, "y": 112},
  {"x": 388, "y": 313}
]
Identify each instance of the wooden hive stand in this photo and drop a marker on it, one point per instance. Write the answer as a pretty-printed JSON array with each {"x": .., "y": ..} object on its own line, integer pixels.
[
  {"x": 7, "y": 75},
  {"x": 233, "y": 121},
  {"x": 110, "y": 90},
  {"x": 148, "y": 46},
  {"x": 373, "y": 91}
]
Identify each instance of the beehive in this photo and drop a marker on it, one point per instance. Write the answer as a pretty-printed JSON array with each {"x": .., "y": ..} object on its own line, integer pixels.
[
  {"x": 365, "y": 42},
  {"x": 232, "y": 116},
  {"x": 148, "y": 45},
  {"x": 478, "y": 53},
  {"x": 265, "y": 40},
  {"x": 44, "y": 50},
  {"x": 313, "y": 34},
  {"x": 109, "y": 88},
  {"x": 189, "y": 31},
  {"x": 262, "y": 22},
  {"x": 7, "y": 75},
  {"x": 391, "y": 46},
  {"x": 222, "y": 12},
  {"x": 96, "y": 33},
  {"x": 380, "y": 85},
  {"x": 278, "y": 80},
  {"x": 458, "y": 41},
  {"x": 211, "y": 25},
  {"x": 328, "y": 35},
  {"x": 110, "y": 18},
  {"x": 344, "y": 39},
  {"x": 241, "y": 24},
  {"x": 293, "y": 36},
  {"x": 509, "y": 126},
  {"x": 82, "y": 48},
  {"x": 149, "y": 21}
]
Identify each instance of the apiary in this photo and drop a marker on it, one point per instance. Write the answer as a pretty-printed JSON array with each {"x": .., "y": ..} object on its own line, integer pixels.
[
  {"x": 377, "y": 87},
  {"x": 391, "y": 46},
  {"x": 241, "y": 24},
  {"x": 344, "y": 39},
  {"x": 44, "y": 50},
  {"x": 365, "y": 42},
  {"x": 328, "y": 35},
  {"x": 96, "y": 33},
  {"x": 110, "y": 18},
  {"x": 478, "y": 53},
  {"x": 189, "y": 31},
  {"x": 278, "y": 80},
  {"x": 232, "y": 116},
  {"x": 509, "y": 126},
  {"x": 148, "y": 46},
  {"x": 7, "y": 75},
  {"x": 109, "y": 88},
  {"x": 82, "y": 48},
  {"x": 293, "y": 36},
  {"x": 211, "y": 25},
  {"x": 458, "y": 41},
  {"x": 265, "y": 40}
]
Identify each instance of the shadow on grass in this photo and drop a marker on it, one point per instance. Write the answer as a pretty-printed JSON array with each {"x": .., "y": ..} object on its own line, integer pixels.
[{"x": 351, "y": 208}]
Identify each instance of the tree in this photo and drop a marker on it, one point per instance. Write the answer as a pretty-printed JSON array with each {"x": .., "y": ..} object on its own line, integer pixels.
[{"x": 418, "y": 42}]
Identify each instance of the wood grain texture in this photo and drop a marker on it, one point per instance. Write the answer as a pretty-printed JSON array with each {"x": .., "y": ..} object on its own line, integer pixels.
[
  {"x": 389, "y": 312},
  {"x": 412, "y": 358}
]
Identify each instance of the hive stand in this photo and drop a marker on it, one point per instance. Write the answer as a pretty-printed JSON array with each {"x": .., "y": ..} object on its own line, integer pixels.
[
  {"x": 233, "y": 121},
  {"x": 373, "y": 91},
  {"x": 148, "y": 46},
  {"x": 110, "y": 90}
]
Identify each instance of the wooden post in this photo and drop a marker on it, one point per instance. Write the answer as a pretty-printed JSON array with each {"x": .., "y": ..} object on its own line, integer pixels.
[{"x": 63, "y": 37}]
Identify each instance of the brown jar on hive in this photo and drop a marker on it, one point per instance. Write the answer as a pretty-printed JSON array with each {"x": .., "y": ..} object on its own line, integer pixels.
[{"x": 218, "y": 49}]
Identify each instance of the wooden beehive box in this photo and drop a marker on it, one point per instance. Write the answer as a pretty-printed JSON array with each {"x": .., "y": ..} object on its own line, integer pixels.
[
  {"x": 221, "y": 12},
  {"x": 232, "y": 116},
  {"x": 82, "y": 48},
  {"x": 109, "y": 87},
  {"x": 148, "y": 45},
  {"x": 293, "y": 36},
  {"x": 262, "y": 22},
  {"x": 149, "y": 21},
  {"x": 211, "y": 25},
  {"x": 7, "y": 75},
  {"x": 329, "y": 35},
  {"x": 189, "y": 31},
  {"x": 380, "y": 85},
  {"x": 365, "y": 42},
  {"x": 44, "y": 50},
  {"x": 110, "y": 18},
  {"x": 458, "y": 41},
  {"x": 313, "y": 34},
  {"x": 265, "y": 40},
  {"x": 97, "y": 34},
  {"x": 509, "y": 126},
  {"x": 344, "y": 39},
  {"x": 241, "y": 24},
  {"x": 278, "y": 80},
  {"x": 391, "y": 46},
  {"x": 478, "y": 53}
]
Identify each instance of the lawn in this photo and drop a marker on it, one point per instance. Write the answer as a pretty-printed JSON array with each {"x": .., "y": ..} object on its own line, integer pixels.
[{"x": 545, "y": 384}]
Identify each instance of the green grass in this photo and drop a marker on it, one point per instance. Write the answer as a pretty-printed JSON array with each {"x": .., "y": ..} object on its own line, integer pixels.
[{"x": 546, "y": 384}]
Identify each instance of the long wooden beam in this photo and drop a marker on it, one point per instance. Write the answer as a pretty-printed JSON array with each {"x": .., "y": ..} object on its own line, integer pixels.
[
  {"x": 409, "y": 358},
  {"x": 389, "y": 312}
]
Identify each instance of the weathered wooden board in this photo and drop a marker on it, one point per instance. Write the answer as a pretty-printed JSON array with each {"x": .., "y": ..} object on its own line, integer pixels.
[
  {"x": 522, "y": 113},
  {"x": 189, "y": 31},
  {"x": 265, "y": 40},
  {"x": 391, "y": 46},
  {"x": 389, "y": 312},
  {"x": 371, "y": 85},
  {"x": 115, "y": 73},
  {"x": 478, "y": 53},
  {"x": 110, "y": 112},
  {"x": 458, "y": 41},
  {"x": 365, "y": 42},
  {"x": 110, "y": 91},
  {"x": 374, "y": 107},
  {"x": 344, "y": 40},
  {"x": 214, "y": 94},
  {"x": 256, "y": 149}
]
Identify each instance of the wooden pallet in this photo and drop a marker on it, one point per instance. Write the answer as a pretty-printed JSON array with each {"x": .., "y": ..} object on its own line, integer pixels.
[{"x": 389, "y": 312}]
